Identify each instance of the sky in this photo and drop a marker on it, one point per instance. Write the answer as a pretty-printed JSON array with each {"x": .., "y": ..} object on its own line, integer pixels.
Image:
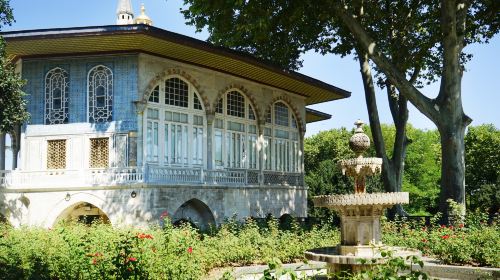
[{"x": 480, "y": 84}]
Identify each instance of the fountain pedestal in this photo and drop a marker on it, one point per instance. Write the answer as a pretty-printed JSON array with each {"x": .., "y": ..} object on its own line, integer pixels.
[{"x": 359, "y": 214}]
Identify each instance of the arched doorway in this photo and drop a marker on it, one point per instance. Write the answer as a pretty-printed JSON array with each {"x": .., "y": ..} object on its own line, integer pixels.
[
  {"x": 195, "y": 212},
  {"x": 83, "y": 212},
  {"x": 3, "y": 219}
]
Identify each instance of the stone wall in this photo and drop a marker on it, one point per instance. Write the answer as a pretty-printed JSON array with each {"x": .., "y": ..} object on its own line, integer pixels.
[{"x": 44, "y": 207}]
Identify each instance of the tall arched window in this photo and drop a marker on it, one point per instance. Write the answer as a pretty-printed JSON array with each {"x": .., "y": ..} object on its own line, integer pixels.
[
  {"x": 175, "y": 124},
  {"x": 281, "y": 140},
  {"x": 56, "y": 96},
  {"x": 100, "y": 87},
  {"x": 235, "y": 132}
]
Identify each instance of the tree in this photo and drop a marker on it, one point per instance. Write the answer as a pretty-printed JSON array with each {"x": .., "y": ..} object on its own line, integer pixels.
[
  {"x": 13, "y": 104},
  {"x": 410, "y": 48},
  {"x": 482, "y": 173}
]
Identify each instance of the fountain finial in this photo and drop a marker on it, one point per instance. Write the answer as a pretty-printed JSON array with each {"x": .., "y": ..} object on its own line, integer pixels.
[{"x": 359, "y": 142}]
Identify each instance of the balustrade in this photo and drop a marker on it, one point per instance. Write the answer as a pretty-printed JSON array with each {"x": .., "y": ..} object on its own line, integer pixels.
[{"x": 150, "y": 174}]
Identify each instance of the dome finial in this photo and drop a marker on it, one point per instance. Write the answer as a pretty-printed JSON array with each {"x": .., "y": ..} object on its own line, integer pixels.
[
  {"x": 359, "y": 142},
  {"x": 143, "y": 18},
  {"x": 124, "y": 13}
]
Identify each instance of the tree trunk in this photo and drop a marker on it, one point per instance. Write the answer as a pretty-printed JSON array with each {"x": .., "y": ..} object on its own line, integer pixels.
[
  {"x": 452, "y": 168},
  {"x": 392, "y": 171}
]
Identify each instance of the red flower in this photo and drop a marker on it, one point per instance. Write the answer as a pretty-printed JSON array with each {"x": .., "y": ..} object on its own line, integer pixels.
[
  {"x": 461, "y": 225},
  {"x": 144, "y": 236},
  {"x": 424, "y": 229},
  {"x": 424, "y": 240},
  {"x": 451, "y": 227},
  {"x": 132, "y": 259},
  {"x": 443, "y": 226},
  {"x": 190, "y": 250},
  {"x": 94, "y": 261},
  {"x": 163, "y": 215},
  {"x": 97, "y": 254},
  {"x": 446, "y": 236}
]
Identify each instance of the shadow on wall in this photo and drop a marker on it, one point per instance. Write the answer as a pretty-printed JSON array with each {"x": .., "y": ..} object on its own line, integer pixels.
[{"x": 196, "y": 213}]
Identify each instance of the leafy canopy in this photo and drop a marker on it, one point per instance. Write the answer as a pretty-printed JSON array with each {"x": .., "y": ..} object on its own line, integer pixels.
[{"x": 13, "y": 103}]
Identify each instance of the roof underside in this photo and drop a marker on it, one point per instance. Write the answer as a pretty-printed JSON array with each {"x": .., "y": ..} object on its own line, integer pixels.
[
  {"x": 148, "y": 39},
  {"x": 316, "y": 116}
]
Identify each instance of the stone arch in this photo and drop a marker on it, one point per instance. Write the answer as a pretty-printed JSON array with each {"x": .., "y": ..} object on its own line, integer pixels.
[
  {"x": 182, "y": 74},
  {"x": 75, "y": 199},
  {"x": 289, "y": 103},
  {"x": 85, "y": 212},
  {"x": 196, "y": 212},
  {"x": 245, "y": 92}
]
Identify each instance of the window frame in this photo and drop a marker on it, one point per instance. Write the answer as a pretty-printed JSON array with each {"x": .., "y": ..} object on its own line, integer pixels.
[
  {"x": 229, "y": 134},
  {"x": 164, "y": 152},
  {"x": 49, "y": 97},
  {"x": 292, "y": 158},
  {"x": 109, "y": 94}
]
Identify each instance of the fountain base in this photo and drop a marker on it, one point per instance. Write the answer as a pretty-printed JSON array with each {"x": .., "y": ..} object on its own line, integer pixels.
[{"x": 356, "y": 258}]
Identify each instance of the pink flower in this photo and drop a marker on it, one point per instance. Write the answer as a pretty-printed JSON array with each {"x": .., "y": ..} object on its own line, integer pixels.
[
  {"x": 190, "y": 250},
  {"x": 132, "y": 259},
  {"x": 443, "y": 226},
  {"x": 451, "y": 227},
  {"x": 461, "y": 225}
]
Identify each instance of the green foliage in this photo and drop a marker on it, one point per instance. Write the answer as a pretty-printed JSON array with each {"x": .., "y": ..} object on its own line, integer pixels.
[
  {"x": 482, "y": 162},
  {"x": 324, "y": 150},
  {"x": 474, "y": 243},
  {"x": 13, "y": 103},
  {"x": 99, "y": 251}
]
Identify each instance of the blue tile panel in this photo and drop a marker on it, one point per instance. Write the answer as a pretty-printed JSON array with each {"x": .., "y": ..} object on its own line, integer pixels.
[{"x": 125, "y": 78}]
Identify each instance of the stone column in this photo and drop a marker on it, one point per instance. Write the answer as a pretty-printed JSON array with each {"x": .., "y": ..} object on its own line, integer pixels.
[
  {"x": 140, "y": 106},
  {"x": 260, "y": 147},
  {"x": 301, "y": 147},
  {"x": 16, "y": 144},
  {"x": 2, "y": 151},
  {"x": 210, "y": 122}
]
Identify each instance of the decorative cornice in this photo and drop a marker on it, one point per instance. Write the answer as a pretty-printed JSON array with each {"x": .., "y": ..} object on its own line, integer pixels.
[
  {"x": 245, "y": 92},
  {"x": 285, "y": 99},
  {"x": 183, "y": 74}
]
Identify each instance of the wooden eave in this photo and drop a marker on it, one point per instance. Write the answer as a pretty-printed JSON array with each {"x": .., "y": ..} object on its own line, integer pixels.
[
  {"x": 152, "y": 40},
  {"x": 316, "y": 116}
]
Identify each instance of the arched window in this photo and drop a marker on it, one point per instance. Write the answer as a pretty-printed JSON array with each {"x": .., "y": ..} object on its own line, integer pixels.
[
  {"x": 281, "y": 140},
  {"x": 175, "y": 125},
  {"x": 56, "y": 96},
  {"x": 100, "y": 87},
  {"x": 235, "y": 132}
]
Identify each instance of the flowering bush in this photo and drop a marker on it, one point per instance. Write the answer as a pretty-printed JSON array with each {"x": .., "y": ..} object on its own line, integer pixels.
[
  {"x": 102, "y": 252},
  {"x": 473, "y": 242}
]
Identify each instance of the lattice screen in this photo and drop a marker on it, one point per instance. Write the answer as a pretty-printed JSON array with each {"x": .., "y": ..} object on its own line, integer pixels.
[
  {"x": 99, "y": 152},
  {"x": 56, "y": 154}
]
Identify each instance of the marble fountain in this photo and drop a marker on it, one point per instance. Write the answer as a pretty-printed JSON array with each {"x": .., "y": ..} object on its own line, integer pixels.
[{"x": 359, "y": 213}]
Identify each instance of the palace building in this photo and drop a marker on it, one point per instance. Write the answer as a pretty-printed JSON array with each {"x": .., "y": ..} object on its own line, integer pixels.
[{"x": 129, "y": 122}]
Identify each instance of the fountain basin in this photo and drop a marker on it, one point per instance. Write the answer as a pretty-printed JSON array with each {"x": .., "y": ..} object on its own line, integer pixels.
[{"x": 338, "y": 202}]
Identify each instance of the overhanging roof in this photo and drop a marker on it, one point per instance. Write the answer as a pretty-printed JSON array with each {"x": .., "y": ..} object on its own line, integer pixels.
[
  {"x": 316, "y": 116},
  {"x": 156, "y": 41}
]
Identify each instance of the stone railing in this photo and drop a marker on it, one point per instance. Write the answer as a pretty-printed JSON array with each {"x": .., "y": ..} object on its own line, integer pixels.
[{"x": 151, "y": 174}]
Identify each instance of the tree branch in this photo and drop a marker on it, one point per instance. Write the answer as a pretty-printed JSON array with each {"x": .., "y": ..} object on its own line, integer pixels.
[
  {"x": 371, "y": 104},
  {"x": 424, "y": 104}
]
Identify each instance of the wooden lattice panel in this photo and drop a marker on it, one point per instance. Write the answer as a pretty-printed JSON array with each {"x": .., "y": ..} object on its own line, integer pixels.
[
  {"x": 99, "y": 152},
  {"x": 56, "y": 154}
]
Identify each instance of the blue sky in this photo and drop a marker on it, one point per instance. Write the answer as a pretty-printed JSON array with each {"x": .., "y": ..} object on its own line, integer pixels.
[{"x": 480, "y": 86}]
